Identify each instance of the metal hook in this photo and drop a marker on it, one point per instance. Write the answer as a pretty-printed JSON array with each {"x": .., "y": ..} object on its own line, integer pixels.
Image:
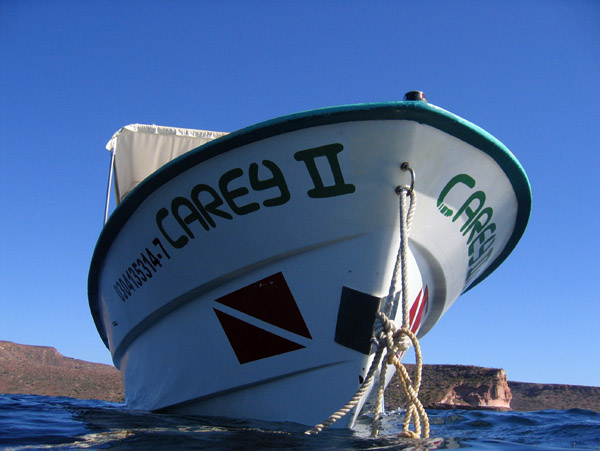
[{"x": 406, "y": 167}]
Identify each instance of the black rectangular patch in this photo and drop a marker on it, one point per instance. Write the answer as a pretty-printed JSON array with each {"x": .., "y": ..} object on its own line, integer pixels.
[{"x": 356, "y": 318}]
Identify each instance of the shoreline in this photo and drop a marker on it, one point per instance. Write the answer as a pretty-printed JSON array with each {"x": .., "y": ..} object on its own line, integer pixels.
[{"x": 42, "y": 370}]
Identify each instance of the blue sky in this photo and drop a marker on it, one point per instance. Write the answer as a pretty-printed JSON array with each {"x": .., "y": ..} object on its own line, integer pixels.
[{"x": 72, "y": 73}]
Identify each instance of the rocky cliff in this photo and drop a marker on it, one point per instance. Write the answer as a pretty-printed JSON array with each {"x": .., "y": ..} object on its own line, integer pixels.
[
  {"x": 528, "y": 396},
  {"x": 41, "y": 370},
  {"x": 472, "y": 387},
  {"x": 489, "y": 391},
  {"x": 457, "y": 386}
]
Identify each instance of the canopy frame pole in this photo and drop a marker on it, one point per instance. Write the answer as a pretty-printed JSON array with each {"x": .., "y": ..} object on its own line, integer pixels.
[{"x": 110, "y": 178}]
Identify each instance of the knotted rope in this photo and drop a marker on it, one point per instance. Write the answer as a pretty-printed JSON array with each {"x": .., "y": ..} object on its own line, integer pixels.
[{"x": 394, "y": 341}]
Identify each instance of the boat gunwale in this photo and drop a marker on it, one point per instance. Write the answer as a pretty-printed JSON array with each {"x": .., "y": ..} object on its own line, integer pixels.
[{"x": 417, "y": 111}]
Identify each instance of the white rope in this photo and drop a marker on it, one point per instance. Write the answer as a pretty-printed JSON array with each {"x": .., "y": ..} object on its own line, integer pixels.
[
  {"x": 393, "y": 340},
  {"x": 398, "y": 341}
]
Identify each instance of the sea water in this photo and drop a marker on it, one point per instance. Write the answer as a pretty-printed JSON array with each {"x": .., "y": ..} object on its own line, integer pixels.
[{"x": 42, "y": 422}]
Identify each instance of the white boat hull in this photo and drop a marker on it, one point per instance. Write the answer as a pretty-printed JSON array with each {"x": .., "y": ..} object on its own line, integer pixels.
[{"x": 242, "y": 279}]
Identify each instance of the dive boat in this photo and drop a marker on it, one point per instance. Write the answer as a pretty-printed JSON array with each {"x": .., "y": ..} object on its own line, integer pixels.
[{"x": 241, "y": 274}]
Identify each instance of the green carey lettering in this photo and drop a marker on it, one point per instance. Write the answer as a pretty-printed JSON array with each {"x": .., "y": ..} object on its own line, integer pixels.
[
  {"x": 205, "y": 206},
  {"x": 477, "y": 217}
]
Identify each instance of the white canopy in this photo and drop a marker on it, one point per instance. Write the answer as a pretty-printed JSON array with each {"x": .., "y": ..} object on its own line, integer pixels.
[{"x": 139, "y": 150}]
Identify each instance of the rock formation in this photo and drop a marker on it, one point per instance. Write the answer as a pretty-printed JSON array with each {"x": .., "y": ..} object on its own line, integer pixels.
[
  {"x": 528, "y": 396},
  {"x": 489, "y": 391},
  {"x": 41, "y": 370},
  {"x": 456, "y": 386}
]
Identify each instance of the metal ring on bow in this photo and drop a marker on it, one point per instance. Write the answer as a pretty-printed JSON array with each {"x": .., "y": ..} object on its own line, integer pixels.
[{"x": 406, "y": 167}]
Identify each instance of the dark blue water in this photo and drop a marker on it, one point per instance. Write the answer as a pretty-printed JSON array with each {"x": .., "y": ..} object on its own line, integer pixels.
[{"x": 40, "y": 422}]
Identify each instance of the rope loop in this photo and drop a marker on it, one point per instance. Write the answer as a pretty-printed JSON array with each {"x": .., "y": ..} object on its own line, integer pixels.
[{"x": 415, "y": 412}]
